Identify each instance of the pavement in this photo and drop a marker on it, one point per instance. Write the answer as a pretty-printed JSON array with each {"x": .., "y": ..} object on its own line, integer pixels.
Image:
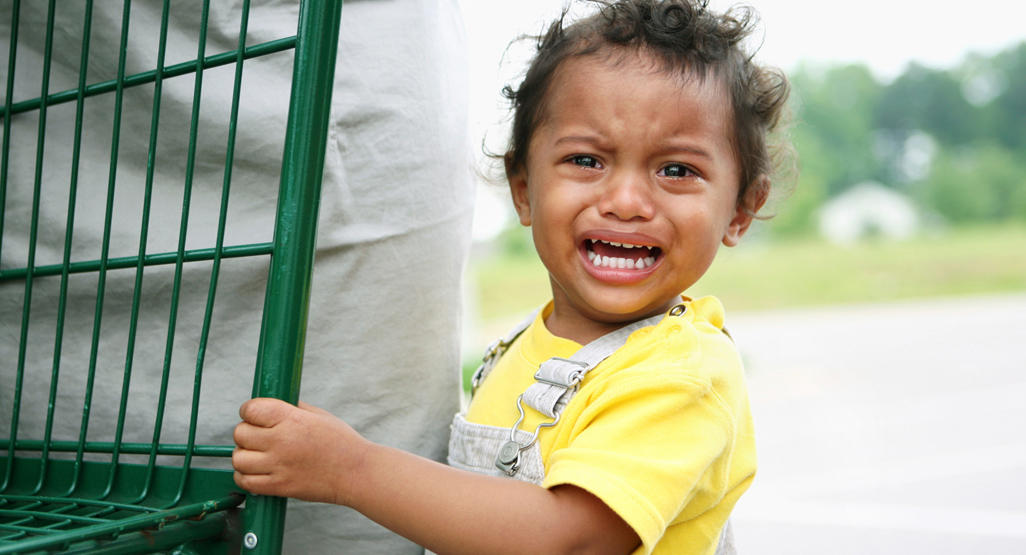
[{"x": 887, "y": 429}]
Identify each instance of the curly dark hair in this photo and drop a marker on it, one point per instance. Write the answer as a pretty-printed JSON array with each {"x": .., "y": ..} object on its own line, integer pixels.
[{"x": 686, "y": 39}]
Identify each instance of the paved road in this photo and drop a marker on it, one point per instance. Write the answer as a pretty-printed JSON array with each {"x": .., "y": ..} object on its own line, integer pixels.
[{"x": 887, "y": 429}]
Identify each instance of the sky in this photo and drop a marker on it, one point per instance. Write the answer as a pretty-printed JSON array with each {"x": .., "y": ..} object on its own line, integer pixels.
[{"x": 885, "y": 35}]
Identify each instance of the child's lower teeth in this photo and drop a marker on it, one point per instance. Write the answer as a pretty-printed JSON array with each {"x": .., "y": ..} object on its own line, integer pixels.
[{"x": 626, "y": 263}]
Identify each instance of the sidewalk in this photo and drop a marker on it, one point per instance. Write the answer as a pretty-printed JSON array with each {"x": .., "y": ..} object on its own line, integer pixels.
[{"x": 887, "y": 429}]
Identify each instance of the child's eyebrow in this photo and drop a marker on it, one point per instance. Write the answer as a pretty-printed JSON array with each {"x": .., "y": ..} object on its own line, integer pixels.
[
  {"x": 670, "y": 147},
  {"x": 579, "y": 139},
  {"x": 689, "y": 149}
]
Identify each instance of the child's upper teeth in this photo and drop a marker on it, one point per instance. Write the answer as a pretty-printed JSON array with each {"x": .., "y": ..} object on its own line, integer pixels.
[{"x": 616, "y": 244}]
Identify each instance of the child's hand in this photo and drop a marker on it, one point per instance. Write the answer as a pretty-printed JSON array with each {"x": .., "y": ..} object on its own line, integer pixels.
[
  {"x": 307, "y": 453},
  {"x": 288, "y": 451}
]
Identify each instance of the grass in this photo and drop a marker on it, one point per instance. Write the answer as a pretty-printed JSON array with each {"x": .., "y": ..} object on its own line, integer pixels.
[
  {"x": 763, "y": 274},
  {"x": 766, "y": 275},
  {"x": 812, "y": 272}
]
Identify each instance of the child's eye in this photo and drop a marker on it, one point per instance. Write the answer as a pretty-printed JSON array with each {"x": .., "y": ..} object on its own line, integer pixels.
[
  {"x": 676, "y": 170},
  {"x": 585, "y": 161}
]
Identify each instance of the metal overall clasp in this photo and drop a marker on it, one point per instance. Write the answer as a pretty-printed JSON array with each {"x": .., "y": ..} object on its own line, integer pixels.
[{"x": 508, "y": 459}]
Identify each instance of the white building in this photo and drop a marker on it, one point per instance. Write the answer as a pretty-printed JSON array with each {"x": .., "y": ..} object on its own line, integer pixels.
[{"x": 865, "y": 210}]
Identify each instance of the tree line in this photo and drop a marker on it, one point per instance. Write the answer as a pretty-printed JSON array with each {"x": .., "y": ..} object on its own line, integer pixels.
[{"x": 953, "y": 140}]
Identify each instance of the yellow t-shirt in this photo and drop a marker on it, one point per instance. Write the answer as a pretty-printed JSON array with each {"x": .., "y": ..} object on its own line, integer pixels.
[{"x": 660, "y": 431}]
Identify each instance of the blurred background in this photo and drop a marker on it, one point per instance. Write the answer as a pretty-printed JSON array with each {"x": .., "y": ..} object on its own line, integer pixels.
[{"x": 882, "y": 312}]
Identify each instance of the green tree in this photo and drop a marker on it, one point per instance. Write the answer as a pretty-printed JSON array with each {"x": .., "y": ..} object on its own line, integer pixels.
[
  {"x": 795, "y": 203},
  {"x": 929, "y": 100},
  {"x": 984, "y": 182},
  {"x": 1008, "y": 109},
  {"x": 834, "y": 136}
]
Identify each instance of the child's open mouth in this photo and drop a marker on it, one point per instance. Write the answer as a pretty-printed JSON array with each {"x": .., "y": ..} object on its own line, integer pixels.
[{"x": 609, "y": 254}]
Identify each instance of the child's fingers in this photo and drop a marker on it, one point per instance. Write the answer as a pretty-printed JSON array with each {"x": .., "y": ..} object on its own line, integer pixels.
[
  {"x": 255, "y": 473},
  {"x": 250, "y": 463},
  {"x": 264, "y": 412},
  {"x": 259, "y": 484},
  {"x": 248, "y": 436}
]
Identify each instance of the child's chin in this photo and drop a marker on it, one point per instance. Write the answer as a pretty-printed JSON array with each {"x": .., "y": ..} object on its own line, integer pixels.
[{"x": 617, "y": 311}]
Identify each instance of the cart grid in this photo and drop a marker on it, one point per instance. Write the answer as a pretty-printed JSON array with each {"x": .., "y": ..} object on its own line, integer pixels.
[{"x": 77, "y": 493}]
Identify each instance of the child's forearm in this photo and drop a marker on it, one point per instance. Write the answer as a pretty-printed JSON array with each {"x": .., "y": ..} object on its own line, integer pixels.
[
  {"x": 307, "y": 453},
  {"x": 454, "y": 511}
]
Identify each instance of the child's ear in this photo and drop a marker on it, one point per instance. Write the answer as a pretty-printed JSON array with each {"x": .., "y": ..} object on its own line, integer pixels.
[
  {"x": 746, "y": 210},
  {"x": 517, "y": 178}
]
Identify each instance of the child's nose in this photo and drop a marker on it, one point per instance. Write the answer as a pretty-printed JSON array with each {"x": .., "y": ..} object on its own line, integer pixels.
[{"x": 627, "y": 196}]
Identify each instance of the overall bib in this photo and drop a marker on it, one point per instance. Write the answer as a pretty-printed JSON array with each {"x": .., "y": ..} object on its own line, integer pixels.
[{"x": 514, "y": 453}]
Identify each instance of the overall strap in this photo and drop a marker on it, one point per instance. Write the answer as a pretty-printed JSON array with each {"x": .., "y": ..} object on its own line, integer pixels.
[
  {"x": 556, "y": 381},
  {"x": 496, "y": 349},
  {"x": 558, "y": 376}
]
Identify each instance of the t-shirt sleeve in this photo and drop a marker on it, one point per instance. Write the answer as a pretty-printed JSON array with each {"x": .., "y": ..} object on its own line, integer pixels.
[{"x": 652, "y": 445}]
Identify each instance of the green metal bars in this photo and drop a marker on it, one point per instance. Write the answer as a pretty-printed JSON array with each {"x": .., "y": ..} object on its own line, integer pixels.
[
  {"x": 288, "y": 289},
  {"x": 80, "y": 494}
]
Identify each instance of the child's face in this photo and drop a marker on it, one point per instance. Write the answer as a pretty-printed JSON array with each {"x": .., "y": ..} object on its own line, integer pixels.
[{"x": 627, "y": 155}]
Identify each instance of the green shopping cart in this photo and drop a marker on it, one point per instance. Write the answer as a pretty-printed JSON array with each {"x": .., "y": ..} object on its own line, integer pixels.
[{"x": 164, "y": 488}]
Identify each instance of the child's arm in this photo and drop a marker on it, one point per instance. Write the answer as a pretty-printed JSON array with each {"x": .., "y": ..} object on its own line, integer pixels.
[{"x": 307, "y": 453}]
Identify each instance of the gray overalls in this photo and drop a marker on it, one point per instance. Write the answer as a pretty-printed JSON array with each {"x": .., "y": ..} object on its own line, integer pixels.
[{"x": 514, "y": 452}]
